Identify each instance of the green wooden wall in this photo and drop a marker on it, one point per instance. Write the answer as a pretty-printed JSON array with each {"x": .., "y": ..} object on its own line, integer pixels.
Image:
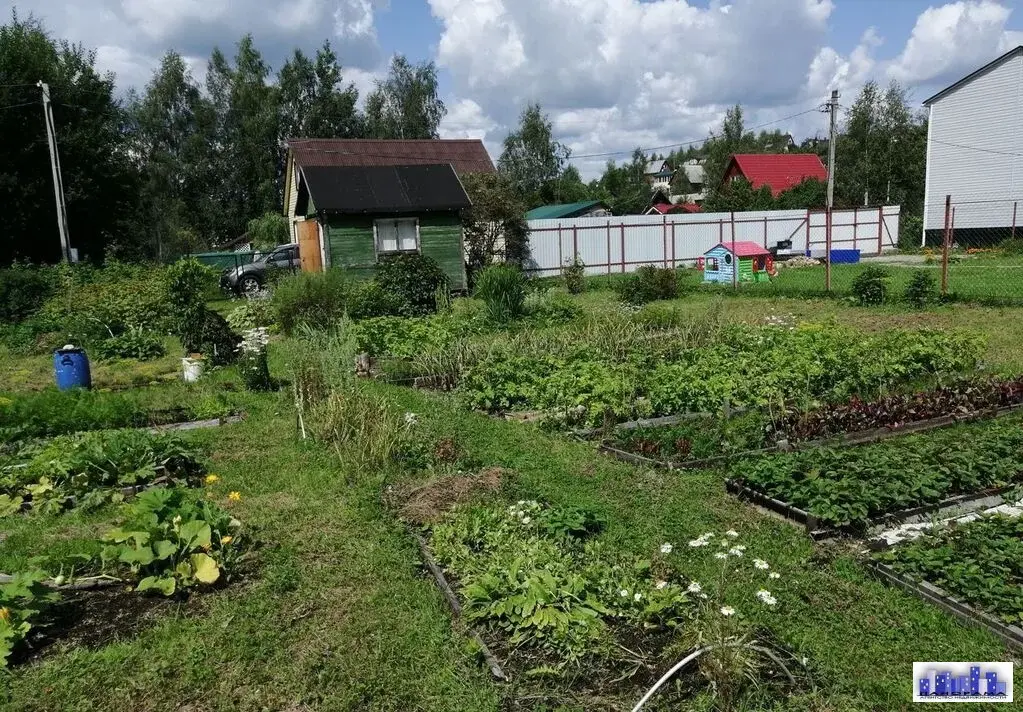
[{"x": 350, "y": 243}]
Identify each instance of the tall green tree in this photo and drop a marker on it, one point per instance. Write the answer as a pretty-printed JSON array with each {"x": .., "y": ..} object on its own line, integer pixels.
[
  {"x": 532, "y": 159},
  {"x": 315, "y": 102},
  {"x": 246, "y": 139},
  {"x": 405, "y": 105},
  {"x": 91, "y": 130},
  {"x": 173, "y": 128},
  {"x": 495, "y": 225},
  {"x": 624, "y": 188}
]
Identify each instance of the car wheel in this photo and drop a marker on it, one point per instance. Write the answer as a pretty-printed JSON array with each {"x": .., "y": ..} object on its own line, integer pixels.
[{"x": 248, "y": 284}]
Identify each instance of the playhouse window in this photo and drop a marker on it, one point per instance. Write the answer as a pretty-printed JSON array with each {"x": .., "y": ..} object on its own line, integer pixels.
[
  {"x": 397, "y": 235},
  {"x": 712, "y": 264},
  {"x": 728, "y": 258}
]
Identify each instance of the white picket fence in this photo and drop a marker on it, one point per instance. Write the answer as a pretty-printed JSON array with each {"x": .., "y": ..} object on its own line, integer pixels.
[{"x": 621, "y": 244}]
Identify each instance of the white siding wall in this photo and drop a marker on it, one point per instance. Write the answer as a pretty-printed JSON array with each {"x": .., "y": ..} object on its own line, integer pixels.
[{"x": 984, "y": 113}]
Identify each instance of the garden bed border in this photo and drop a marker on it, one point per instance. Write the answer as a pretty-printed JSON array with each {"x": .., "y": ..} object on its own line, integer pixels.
[
  {"x": 821, "y": 532},
  {"x": 1011, "y": 634},
  {"x": 851, "y": 439}
]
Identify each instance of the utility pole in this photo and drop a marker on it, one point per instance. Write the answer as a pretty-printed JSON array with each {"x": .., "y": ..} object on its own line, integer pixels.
[
  {"x": 58, "y": 182},
  {"x": 833, "y": 110}
]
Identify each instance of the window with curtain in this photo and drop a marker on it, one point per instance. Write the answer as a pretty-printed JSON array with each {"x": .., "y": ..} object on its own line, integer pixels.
[{"x": 397, "y": 235}]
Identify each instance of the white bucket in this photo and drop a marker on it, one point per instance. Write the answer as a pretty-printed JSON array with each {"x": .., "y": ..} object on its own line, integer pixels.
[{"x": 192, "y": 369}]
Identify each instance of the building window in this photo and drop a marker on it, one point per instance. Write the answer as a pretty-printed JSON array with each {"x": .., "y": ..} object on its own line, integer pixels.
[
  {"x": 397, "y": 235},
  {"x": 712, "y": 264},
  {"x": 728, "y": 258}
]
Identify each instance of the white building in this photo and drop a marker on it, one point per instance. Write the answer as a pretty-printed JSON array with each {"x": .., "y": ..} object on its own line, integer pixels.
[{"x": 974, "y": 152}]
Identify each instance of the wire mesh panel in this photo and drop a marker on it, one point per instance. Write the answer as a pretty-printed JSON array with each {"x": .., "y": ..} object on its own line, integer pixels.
[{"x": 980, "y": 252}]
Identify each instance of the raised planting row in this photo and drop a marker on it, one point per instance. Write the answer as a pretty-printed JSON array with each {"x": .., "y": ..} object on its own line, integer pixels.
[
  {"x": 980, "y": 562},
  {"x": 852, "y": 486},
  {"x": 554, "y": 598},
  {"x": 90, "y": 469},
  {"x": 52, "y": 412},
  {"x": 747, "y": 367},
  {"x": 696, "y": 439},
  {"x": 167, "y": 542}
]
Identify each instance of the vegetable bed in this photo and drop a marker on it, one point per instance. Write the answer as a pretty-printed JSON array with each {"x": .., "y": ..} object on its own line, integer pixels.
[
  {"x": 850, "y": 487},
  {"x": 980, "y": 562},
  {"x": 89, "y": 469}
]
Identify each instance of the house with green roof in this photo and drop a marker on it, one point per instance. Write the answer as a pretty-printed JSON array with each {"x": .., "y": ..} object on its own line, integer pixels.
[{"x": 584, "y": 209}]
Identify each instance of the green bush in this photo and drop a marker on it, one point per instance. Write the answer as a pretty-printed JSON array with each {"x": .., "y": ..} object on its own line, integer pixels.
[
  {"x": 574, "y": 273},
  {"x": 320, "y": 300},
  {"x": 921, "y": 290},
  {"x": 210, "y": 335},
  {"x": 648, "y": 284},
  {"x": 368, "y": 299},
  {"x": 189, "y": 283},
  {"x": 549, "y": 306},
  {"x": 134, "y": 343},
  {"x": 23, "y": 291},
  {"x": 502, "y": 287},
  {"x": 1012, "y": 246},
  {"x": 871, "y": 286},
  {"x": 414, "y": 280}
]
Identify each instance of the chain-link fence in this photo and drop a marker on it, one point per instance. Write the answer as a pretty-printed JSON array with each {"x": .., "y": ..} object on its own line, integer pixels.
[{"x": 977, "y": 252}]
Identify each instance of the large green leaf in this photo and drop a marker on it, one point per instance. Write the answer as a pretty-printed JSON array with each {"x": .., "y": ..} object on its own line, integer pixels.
[
  {"x": 195, "y": 534},
  {"x": 205, "y": 568},
  {"x": 164, "y": 549},
  {"x": 163, "y": 584},
  {"x": 142, "y": 556}
]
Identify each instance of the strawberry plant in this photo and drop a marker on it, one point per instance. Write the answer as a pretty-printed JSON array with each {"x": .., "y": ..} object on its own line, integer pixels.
[
  {"x": 170, "y": 543},
  {"x": 980, "y": 562},
  {"x": 850, "y": 486}
]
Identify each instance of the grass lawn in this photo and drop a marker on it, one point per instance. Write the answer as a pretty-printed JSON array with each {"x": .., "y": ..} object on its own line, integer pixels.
[{"x": 338, "y": 614}]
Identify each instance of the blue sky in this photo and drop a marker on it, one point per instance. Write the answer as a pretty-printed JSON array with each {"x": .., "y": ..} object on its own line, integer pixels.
[{"x": 612, "y": 74}]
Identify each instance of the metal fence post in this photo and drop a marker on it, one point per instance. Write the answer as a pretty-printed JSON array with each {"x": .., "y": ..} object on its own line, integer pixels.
[
  {"x": 1014, "y": 219},
  {"x": 945, "y": 242},
  {"x": 609, "y": 247},
  {"x": 575, "y": 244},
  {"x": 880, "y": 228},
  {"x": 735, "y": 258},
  {"x": 622, "y": 226}
]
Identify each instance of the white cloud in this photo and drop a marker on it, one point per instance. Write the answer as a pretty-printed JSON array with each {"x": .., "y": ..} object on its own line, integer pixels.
[
  {"x": 951, "y": 40},
  {"x": 466, "y": 119}
]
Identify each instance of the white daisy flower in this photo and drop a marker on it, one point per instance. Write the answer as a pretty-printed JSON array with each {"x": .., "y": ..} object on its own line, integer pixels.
[
  {"x": 695, "y": 543},
  {"x": 727, "y": 611},
  {"x": 735, "y": 551},
  {"x": 766, "y": 598},
  {"x": 694, "y": 587},
  {"x": 732, "y": 533},
  {"x": 411, "y": 418},
  {"x": 666, "y": 548},
  {"x": 624, "y": 593},
  {"x": 774, "y": 575},
  {"x": 721, "y": 555},
  {"x": 660, "y": 585},
  {"x": 761, "y": 564},
  {"x": 637, "y": 596},
  {"x": 526, "y": 520}
]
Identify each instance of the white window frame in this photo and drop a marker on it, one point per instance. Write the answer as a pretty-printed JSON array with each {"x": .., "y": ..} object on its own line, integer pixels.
[
  {"x": 711, "y": 265},
  {"x": 376, "y": 237}
]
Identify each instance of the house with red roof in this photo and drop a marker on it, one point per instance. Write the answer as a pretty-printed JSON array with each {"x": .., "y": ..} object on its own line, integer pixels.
[{"x": 779, "y": 171}]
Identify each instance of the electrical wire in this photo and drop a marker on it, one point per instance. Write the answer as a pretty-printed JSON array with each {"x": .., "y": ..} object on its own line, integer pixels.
[{"x": 16, "y": 106}]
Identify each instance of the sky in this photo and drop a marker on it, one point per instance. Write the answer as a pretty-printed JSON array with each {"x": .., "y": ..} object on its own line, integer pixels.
[{"x": 613, "y": 75}]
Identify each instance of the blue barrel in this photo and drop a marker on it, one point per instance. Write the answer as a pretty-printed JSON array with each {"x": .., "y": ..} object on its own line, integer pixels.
[{"x": 71, "y": 368}]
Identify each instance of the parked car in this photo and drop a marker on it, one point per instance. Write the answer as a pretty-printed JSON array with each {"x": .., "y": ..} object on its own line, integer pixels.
[{"x": 251, "y": 277}]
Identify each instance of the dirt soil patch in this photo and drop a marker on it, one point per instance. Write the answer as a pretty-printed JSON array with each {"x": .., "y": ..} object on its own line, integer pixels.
[
  {"x": 92, "y": 619},
  {"x": 425, "y": 504}
]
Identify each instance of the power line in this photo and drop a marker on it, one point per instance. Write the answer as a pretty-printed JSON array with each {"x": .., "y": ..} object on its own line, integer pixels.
[
  {"x": 976, "y": 148},
  {"x": 16, "y": 106}
]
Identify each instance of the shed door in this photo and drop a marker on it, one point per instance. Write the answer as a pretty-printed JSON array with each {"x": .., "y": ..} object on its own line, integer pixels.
[{"x": 309, "y": 246}]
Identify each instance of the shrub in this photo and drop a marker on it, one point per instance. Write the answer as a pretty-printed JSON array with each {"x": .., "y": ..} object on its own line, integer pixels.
[
  {"x": 188, "y": 284},
  {"x": 871, "y": 286},
  {"x": 574, "y": 273},
  {"x": 1012, "y": 246},
  {"x": 368, "y": 299},
  {"x": 502, "y": 288},
  {"x": 549, "y": 306},
  {"x": 134, "y": 343},
  {"x": 209, "y": 334},
  {"x": 648, "y": 284},
  {"x": 414, "y": 280},
  {"x": 23, "y": 291},
  {"x": 254, "y": 367},
  {"x": 921, "y": 289},
  {"x": 255, "y": 310},
  {"x": 320, "y": 300}
]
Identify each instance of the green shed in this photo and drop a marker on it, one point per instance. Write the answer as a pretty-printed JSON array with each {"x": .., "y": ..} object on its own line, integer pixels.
[{"x": 356, "y": 215}]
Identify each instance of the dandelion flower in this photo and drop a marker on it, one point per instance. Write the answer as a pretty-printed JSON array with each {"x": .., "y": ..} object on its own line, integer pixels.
[
  {"x": 235, "y": 496},
  {"x": 666, "y": 548},
  {"x": 637, "y": 596},
  {"x": 727, "y": 611},
  {"x": 694, "y": 587},
  {"x": 732, "y": 533},
  {"x": 735, "y": 551},
  {"x": 210, "y": 479},
  {"x": 721, "y": 555},
  {"x": 774, "y": 575},
  {"x": 761, "y": 564},
  {"x": 660, "y": 585},
  {"x": 624, "y": 593},
  {"x": 225, "y": 540}
]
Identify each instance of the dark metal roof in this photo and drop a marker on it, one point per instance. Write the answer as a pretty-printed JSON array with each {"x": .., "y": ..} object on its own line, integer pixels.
[
  {"x": 465, "y": 155},
  {"x": 385, "y": 189},
  {"x": 973, "y": 75}
]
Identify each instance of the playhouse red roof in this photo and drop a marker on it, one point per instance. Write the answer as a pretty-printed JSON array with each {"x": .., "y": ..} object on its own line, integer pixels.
[
  {"x": 780, "y": 171},
  {"x": 744, "y": 249}
]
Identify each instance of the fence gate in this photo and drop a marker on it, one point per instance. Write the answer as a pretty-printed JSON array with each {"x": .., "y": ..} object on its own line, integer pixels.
[{"x": 309, "y": 246}]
